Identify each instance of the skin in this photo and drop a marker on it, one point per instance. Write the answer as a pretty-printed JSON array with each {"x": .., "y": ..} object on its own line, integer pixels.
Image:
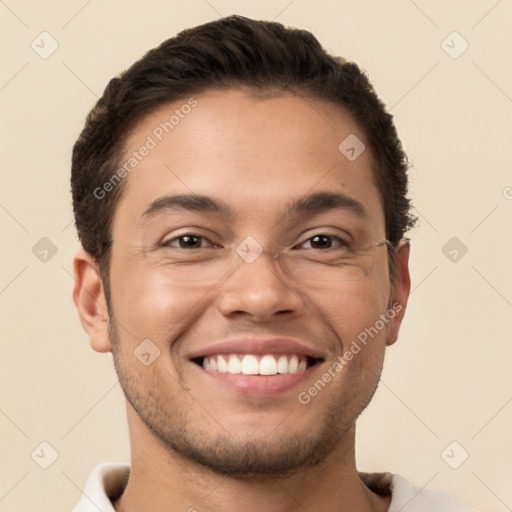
[{"x": 255, "y": 153}]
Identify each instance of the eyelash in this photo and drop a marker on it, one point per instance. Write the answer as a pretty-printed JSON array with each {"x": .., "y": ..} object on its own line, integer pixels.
[{"x": 168, "y": 242}]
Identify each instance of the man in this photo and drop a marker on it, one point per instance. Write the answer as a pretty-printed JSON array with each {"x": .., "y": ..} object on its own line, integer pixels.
[{"x": 241, "y": 200}]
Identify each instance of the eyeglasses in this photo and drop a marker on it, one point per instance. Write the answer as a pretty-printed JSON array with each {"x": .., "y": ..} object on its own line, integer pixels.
[
  {"x": 314, "y": 267},
  {"x": 347, "y": 264}
]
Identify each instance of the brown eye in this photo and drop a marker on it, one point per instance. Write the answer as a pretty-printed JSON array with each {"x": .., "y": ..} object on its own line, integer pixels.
[
  {"x": 188, "y": 241},
  {"x": 322, "y": 241}
]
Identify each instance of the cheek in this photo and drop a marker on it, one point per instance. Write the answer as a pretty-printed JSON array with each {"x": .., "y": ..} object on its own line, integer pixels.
[
  {"x": 149, "y": 304},
  {"x": 355, "y": 307}
]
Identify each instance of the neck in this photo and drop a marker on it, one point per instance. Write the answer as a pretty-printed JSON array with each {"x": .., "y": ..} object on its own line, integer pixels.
[{"x": 162, "y": 480}]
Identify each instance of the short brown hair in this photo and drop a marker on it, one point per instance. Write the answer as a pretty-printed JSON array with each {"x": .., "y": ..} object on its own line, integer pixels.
[{"x": 230, "y": 52}]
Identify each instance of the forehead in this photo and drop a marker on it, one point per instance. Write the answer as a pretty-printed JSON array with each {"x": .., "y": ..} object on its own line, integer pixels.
[{"x": 253, "y": 152}]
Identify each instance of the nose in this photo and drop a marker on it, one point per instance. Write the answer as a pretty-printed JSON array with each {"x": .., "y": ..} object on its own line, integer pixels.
[{"x": 259, "y": 291}]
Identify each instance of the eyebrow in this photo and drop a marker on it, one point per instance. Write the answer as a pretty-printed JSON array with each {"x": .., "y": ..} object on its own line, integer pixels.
[{"x": 312, "y": 204}]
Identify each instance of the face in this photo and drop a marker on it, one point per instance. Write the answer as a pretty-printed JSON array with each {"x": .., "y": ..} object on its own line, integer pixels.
[{"x": 234, "y": 311}]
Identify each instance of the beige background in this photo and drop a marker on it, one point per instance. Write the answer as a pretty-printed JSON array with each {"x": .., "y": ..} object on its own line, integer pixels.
[{"x": 448, "y": 377}]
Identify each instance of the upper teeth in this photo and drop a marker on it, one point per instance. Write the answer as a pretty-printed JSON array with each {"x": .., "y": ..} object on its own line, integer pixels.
[{"x": 250, "y": 364}]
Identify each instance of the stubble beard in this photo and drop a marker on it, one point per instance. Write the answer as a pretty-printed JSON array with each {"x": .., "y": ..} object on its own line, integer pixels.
[{"x": 239, "y": 455}]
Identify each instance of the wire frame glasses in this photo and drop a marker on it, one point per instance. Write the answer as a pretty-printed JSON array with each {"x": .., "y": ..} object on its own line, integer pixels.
[{"x": 315, "y": 267}]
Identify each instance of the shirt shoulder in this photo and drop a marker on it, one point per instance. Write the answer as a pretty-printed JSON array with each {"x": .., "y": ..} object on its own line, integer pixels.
[
  {"x": 106, "y": 483},
  {"x": 405, "y": 497}
]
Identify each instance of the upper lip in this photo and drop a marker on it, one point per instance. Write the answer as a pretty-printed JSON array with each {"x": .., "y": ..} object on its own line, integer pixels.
[{"x": 258, "y": 346}]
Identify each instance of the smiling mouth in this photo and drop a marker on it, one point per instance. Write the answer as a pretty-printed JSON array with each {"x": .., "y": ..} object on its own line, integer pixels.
[{"x": 257, "y": 364}]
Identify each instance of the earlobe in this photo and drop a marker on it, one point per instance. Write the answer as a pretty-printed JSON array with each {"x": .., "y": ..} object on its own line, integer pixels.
[
  {"x": 401, "y": 290},
  {"x": 89, "y": 299}
]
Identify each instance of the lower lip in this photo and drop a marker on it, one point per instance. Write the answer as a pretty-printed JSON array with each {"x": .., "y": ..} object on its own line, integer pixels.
[{"x": 259, "y": 385}]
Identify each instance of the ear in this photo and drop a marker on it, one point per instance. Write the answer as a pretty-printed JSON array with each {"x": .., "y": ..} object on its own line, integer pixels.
[
  {"x": 400, "y": 291},
  {"x": 89, "y": 299}
]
